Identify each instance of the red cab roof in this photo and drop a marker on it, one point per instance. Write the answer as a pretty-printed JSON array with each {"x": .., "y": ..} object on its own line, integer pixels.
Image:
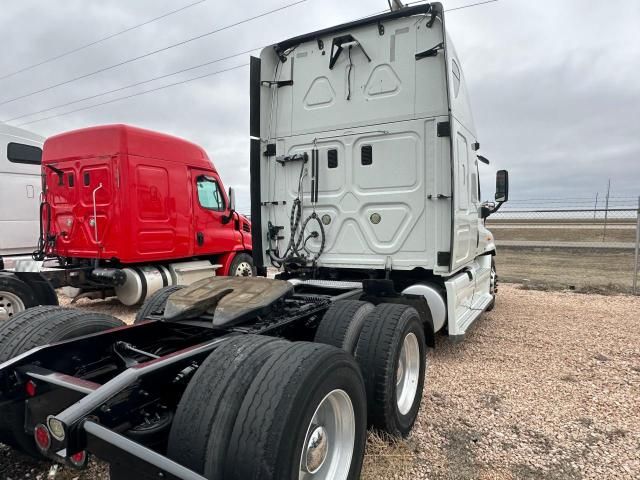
[{"x": 107, "y": 140}]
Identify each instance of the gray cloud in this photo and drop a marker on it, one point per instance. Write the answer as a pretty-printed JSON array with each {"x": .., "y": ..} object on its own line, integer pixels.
[{"x": 554, "y": 87}]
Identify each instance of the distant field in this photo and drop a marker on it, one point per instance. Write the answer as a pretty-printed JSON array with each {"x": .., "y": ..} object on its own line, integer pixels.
[
  {"x": 586, "y": 270},
  {"x": 630, "y": 220},
  {"x": 570, "y": 233}
]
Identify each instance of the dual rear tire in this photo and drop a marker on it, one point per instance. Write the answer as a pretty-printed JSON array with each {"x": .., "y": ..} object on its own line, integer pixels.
[
  {"x": 388, "y": 343},
  {"x": 270, "y": 409},
  {"x": 267, "y": 409}
]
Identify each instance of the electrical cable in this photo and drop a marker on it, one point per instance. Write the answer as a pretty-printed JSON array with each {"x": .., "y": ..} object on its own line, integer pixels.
[
  {"x": 100, "y": 40},
  {"x": 349, "y": 75},
  {"x": 153, "y": 52}
]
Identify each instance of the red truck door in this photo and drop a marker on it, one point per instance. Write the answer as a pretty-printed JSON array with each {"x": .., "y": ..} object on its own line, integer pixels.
[{"x": 214, "y": 231}]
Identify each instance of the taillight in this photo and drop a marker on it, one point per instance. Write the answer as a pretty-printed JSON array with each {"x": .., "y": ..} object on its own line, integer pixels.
[
  {"x": 42, "y": 437},
  {"x": 78, "y": 460},
  {"x": 31, "y": 388}
]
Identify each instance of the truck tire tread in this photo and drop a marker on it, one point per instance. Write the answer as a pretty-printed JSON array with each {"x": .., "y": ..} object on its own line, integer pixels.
[
  {"x": 268, "y": 421},
  {"x": 54, "y": 325},
  {"x": 377, "y": 353},
  {"x": 214, "y": 396},
  {"x": 342, "y": 323},
  {"x": 154, "y": 303}
]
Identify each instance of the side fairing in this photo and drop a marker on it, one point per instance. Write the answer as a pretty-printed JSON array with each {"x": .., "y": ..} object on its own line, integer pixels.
[{"x": 466, "y": 202}]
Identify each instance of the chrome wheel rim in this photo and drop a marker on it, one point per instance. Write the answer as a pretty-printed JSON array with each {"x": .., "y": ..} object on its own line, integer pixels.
[
  {"x": 243, "y": 269},
  {"x": 10, "y": 304},
  {"x": 328, "y": 445},
  {"x": 408, "y": 373}
]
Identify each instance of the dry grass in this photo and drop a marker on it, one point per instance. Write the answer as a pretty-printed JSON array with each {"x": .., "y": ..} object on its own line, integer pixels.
[
  {"x": 583, "y": 270},
  {"x": 564, "y": 234}
]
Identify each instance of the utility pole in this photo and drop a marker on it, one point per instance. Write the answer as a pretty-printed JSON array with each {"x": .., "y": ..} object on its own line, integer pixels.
[
  {"x": 595, "y": 207},
  {"x": 635, "y": 265},
  {"x": 606, "y": 211}
]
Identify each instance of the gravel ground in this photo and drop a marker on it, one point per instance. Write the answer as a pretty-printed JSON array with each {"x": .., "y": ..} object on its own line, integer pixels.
[{"x": 545, "y": 386}]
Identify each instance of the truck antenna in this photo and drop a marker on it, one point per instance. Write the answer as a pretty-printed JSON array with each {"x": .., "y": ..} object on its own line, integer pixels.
[{"x": 395, "y": 5}]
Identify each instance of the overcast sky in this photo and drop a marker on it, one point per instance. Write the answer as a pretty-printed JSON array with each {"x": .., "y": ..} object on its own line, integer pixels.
[{"x": 555, "y": 86}]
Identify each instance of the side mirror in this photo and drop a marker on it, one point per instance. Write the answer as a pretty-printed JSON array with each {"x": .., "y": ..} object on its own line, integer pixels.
[
  {"x": 502, "y": 186},
  {"x": 232, "y": 200}
]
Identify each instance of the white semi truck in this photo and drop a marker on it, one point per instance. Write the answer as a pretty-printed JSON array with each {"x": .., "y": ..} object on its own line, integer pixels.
[
  {"x": 365, "y": 197},
  {"x": 368, "y": 132},
  {"x": 20, "y": 188}
]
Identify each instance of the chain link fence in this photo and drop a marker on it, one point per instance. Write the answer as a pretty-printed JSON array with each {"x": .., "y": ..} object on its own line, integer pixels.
[{"x": 565, "y": 242}]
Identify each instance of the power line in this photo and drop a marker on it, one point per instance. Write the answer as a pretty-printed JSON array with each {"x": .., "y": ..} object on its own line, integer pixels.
[
  {"x": 100, "y": 40},
  {"x": 154, "y": 52},
  {"x": 91, "y": 97},
  {"x": 470, "y": 5},
  {"x": 136, "y": 94},
  {"x": 151, "y": 80}
]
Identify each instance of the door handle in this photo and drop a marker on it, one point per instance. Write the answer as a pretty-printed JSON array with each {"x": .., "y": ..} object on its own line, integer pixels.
[{"x": 200, "y": 238}]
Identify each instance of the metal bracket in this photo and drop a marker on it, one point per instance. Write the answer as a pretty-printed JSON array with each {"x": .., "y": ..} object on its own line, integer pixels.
[
  {"x": 270, "y": 150},
  {"x": 434, "y": 10},
  {"x": 279, "y": 84},
  {"x": 292, "y": 158},
  {"x": 432, "y": 52},
  {"x": 340, "y": 43}
]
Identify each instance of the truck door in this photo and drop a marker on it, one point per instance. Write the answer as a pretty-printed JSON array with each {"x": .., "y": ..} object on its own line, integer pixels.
[
  {"x": 214, "y": 233},
  {"x": 465, "y": 217}
]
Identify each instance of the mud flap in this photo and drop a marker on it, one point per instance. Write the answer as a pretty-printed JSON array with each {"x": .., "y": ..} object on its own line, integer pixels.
[{"x": 42, "y": 288}]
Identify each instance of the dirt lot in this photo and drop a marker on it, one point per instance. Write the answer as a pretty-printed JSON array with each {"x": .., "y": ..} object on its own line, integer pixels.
[{"x": 546, "y": 386}]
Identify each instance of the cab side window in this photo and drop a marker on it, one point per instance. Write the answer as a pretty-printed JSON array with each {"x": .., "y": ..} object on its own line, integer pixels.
[{"x": 209, "y": 194}]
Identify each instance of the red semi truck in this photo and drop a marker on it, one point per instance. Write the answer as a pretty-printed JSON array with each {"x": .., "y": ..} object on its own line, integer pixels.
[{"x": 130, "y": 211}]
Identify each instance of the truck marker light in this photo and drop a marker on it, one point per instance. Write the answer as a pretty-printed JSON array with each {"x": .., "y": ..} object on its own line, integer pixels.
[
  {"x": 56, "y": 427},
  {"x": 42, "y": 437},
  {"x": 31, "y": 388},
  {"x": 78, "y": 459}
]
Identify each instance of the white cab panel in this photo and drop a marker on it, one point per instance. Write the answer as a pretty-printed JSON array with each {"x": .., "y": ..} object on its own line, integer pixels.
[{"x": 20, "y": 188}]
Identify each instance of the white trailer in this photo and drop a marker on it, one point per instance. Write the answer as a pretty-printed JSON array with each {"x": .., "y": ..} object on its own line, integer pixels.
[{"x": 368, "y": 127}]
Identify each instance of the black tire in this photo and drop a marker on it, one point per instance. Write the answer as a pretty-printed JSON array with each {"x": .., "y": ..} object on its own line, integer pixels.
[
  {"x": 342, "y": 323},
  {"x": 493, "y": 285},
  {"x": 21, "y": 319},
  {"x": 14, "y": 287},
  {"x": 154, "y": 305},
  {"x": 213, "y": 397},
  {"x": 275, "y": 416},
  {"x": 239, "y": 260},
  {"x": 378, "y": 354},
  {"x": 33, "y": 328}
]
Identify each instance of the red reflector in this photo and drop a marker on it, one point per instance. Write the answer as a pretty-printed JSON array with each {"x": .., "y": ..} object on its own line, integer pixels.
[
  {"x": 78, "y": 459},
  {"x": 31, "y": 388},
  {"x": 42, "y": 437}
]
